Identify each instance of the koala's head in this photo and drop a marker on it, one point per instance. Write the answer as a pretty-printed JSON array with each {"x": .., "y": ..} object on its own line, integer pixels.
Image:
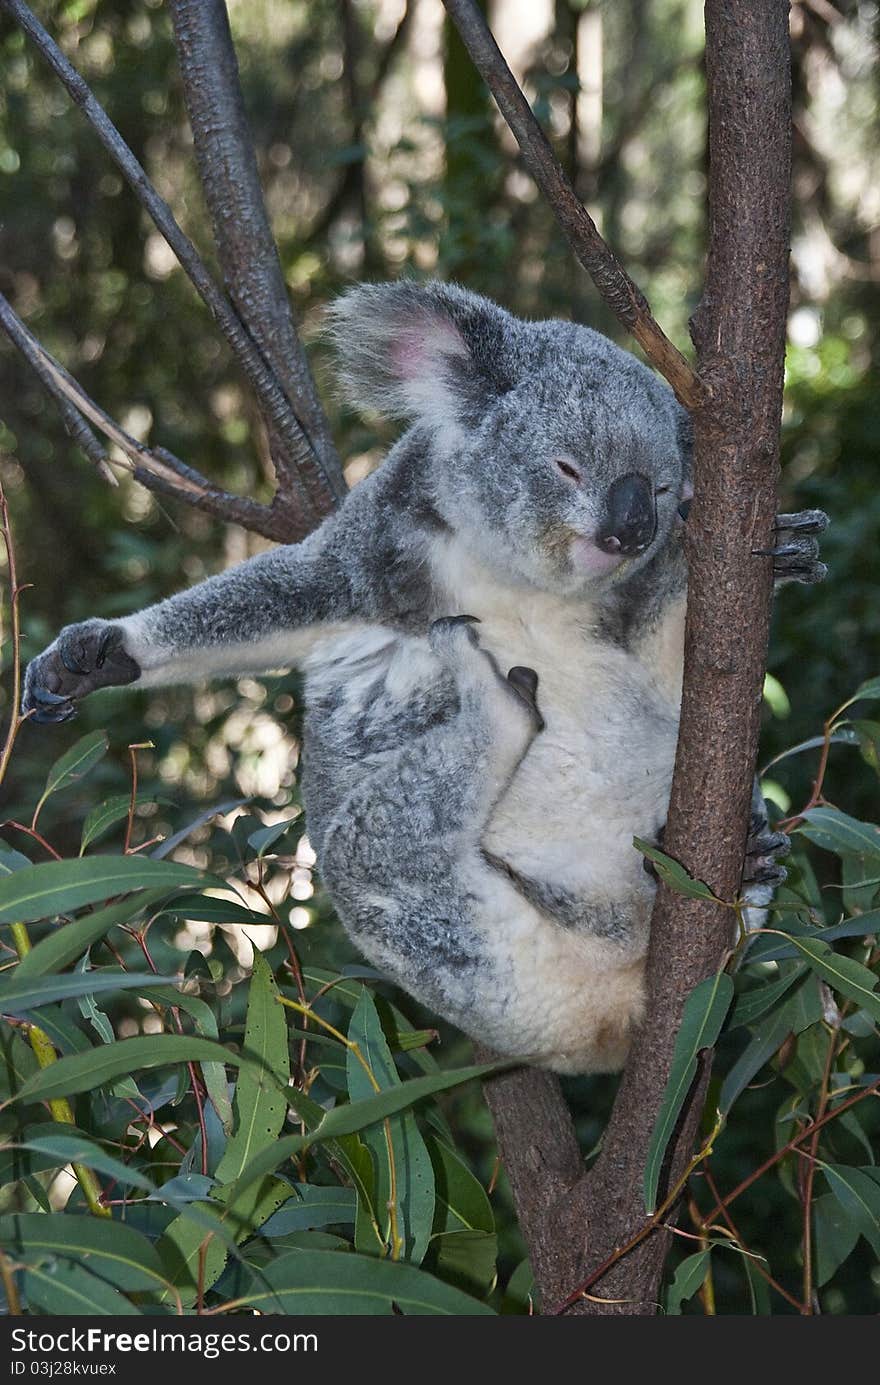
[{"x": 560, "y": 458}]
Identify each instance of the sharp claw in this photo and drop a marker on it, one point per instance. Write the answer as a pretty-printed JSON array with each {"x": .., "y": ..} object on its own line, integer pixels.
[
  {"x": 103, "y": 648},
  {"x": 71, "y": 664},
  {"x": 46, "y": 698},
  {"x": 804, "y": 521},
  {"x": 45, "y": 717}
]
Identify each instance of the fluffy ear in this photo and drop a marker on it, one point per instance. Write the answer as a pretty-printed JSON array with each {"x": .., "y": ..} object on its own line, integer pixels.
[{"x": 431, "y": 353}]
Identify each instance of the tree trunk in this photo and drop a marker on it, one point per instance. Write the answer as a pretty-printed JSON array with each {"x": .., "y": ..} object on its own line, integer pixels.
[{"x": 739, "y": 332}]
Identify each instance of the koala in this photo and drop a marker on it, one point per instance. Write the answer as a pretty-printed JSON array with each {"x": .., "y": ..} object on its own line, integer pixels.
[{"x": 491, "y": 632}]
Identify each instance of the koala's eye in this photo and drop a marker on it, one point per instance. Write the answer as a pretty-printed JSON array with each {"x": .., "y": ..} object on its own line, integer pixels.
[
  {"x": 662, "y": 490},
  {"x": 568, "y": 470}
]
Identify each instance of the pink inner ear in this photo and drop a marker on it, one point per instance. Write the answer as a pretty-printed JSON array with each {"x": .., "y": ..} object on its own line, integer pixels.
[{"x": 417, "y": 350}]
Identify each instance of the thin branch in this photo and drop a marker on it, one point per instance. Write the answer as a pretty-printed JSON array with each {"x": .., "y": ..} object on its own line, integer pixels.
[
  {"x": 275, "y": 403},
  {"x": 623, "y": 297},
  {"x": 245, "y": 245},
  {"x": 156, "y": 468},
  {"x": 16, "y": 720}
]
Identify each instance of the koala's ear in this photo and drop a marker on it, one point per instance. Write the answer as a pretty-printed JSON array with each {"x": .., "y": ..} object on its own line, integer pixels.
[{"x": 431, "y": 353}]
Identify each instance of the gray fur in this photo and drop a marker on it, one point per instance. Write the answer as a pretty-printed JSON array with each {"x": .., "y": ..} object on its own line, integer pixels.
[{"x": 486, "y": 865}]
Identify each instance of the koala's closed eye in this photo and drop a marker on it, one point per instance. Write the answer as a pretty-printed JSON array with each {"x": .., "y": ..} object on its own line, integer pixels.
[{"x": 568, "y": 469}]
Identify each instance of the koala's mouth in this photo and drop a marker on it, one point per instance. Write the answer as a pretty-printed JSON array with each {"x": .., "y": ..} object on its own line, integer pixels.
[{"x": 588, "y": 558}]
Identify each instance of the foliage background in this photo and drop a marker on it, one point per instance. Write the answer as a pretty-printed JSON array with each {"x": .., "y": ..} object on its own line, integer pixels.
[{"x": 377, "y": 164}]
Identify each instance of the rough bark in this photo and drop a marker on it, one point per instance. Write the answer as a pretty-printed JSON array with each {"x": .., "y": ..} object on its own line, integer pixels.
[{"x": 739, "y": 332}]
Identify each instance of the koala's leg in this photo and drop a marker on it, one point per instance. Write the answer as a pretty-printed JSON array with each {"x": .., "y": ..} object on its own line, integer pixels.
[
  {"x": 264, "y": 614},
  {"x": 401, "y": 854},
  {"x": 796, "y": 551},
  {"x": 762, "y": 872}
]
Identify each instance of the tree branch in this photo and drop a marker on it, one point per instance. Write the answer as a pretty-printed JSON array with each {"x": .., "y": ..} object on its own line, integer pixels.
[
  {"x": 156, "y": 468},
  {"x": 739, "y": 332},
  {"x": 623, "y": 297},
  {"x": 245, "y": 244},
  {"x": 275, "y": 404},
  {"x": 543, "y": 1163}
]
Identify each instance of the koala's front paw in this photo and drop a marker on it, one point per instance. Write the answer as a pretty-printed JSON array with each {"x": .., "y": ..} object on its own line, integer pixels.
[
  {"x": 796, "y": 553},
  {"x": 84, "y": 657}
]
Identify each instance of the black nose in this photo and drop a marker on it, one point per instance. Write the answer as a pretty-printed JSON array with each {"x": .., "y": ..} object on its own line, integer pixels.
[{"x": 630, "y": 519}]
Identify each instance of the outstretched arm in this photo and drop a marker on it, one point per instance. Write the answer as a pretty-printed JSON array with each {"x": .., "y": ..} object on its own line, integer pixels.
[{"x": 266, "y": 613}]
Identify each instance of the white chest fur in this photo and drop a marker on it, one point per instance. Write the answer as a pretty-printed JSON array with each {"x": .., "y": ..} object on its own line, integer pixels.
[{"x": 600, "y": 772}]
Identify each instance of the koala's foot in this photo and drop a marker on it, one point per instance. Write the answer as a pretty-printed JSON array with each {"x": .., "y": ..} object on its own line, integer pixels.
[
  {"x": 763, "y": 848},
  {"x": 796, "y": 552},
  {"x": 84, "y": 657}
]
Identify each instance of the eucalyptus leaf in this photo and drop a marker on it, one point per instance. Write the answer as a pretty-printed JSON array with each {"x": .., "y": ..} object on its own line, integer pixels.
[
  {"x": 705, "y": 1011},
  {"x": 62, "y": 887}
]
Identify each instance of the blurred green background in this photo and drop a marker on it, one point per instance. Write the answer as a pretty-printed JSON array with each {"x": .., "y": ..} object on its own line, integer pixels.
[{"x": 381, "y": 155}]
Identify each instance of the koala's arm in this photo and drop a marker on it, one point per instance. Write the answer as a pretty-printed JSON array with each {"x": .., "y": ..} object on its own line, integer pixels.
[{"x": 264, "y": 614}]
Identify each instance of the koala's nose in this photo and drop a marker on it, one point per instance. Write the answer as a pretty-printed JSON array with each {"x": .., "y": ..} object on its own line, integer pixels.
[{"x": 630, "y": 519}]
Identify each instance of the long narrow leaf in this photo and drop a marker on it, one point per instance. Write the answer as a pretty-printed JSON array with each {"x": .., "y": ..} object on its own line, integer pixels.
[{"x": 704, "y": 1013}]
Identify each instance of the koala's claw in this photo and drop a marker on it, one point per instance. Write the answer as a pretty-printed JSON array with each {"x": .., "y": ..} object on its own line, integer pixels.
[
  {"x": 84, "y": 657},
  {"x": 50, "y": 707},
  {"x": 524, "y": 681},
  {"x": 445, "y": 633},
  {"x": 796, "y": 552},
  {"x": 762, "y": 851}
]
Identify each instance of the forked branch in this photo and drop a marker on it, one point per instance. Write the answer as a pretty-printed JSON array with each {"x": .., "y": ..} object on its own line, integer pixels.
[{"x": 624, "y": 298}]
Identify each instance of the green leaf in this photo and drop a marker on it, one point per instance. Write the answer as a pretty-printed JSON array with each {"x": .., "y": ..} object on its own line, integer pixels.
[
  {"x": 345, "y": 1120},
  {"x": 80, "y": 1072},
  {"x": 860, "y": 878},
  {"x": 11, "y": 860},
  {"x": 60, "y": 887},
  {"x": 751, "y": 1004},
  {"x": 835, "y": 1236},
  {"x": 214, "y": 1074},
  {"x": 842, "y": 973},
  {"x": 68, "y": 942},
  {"x": 868, "y": 733},
  {"x": 329, "y": 1283},
  {"x": 260, "y": 1104},
  {"x": 65, "y": 1145},
  {"x": 74, "y": 764},
  {"x": 466, "y": 1259},
  {"x": 18, "y": 995},
  {"x": 769, "y": 1035},
  {"x": 115, "y": 1251},
  {"x": 462, "y": 1204},
  {"x": 266, "y": 837},
  {"x": 208, "y": 909},
  {"x": 405, "y": 1177},
  {"x": 673, "y": 874},
  {"x": 105, "y": 815},
  {"x": 313, "y": 1207},
  {"x": 260, "y": 1093},
  {"x": 838, "y": 832},
  {"x": 868, "y": 689},
  {"x": 704, "y": 1013},
  {"x": 759, "y": 1290},
  {"x": 688, "y": 1279},
  {"x": 859, "y": 1196},
  {"x": 64, "y": 1288}
]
